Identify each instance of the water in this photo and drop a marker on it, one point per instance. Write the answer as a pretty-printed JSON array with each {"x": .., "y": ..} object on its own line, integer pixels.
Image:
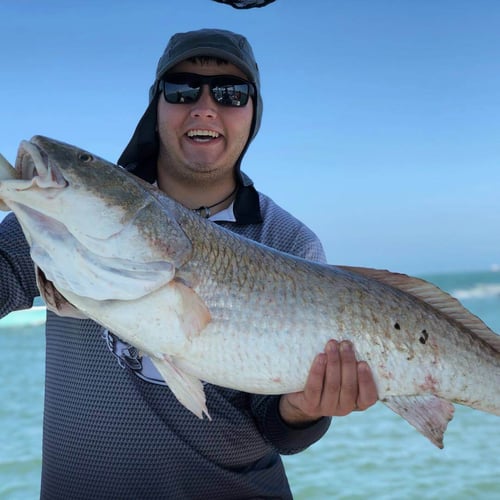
[
  {"x": 374, "y": 454},
  {"x": 21, "y": 396}
]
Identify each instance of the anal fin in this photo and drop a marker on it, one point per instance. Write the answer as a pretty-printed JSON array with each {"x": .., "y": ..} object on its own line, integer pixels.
[
  {"x": 428, "y": 414},
  {"x": 186, "y": 388}
]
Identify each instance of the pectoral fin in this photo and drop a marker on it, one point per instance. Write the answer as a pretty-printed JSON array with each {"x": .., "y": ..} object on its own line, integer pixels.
[
  {"x": 192, "y": 312},
  {"x": 186, "y": 388},
  {"x": 428, "y": 414}
]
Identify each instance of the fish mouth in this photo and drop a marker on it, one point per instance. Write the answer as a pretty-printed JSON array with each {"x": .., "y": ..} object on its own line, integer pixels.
[
  {"x": 34, "y": 165},
  {"x": 32, "y": 171}
]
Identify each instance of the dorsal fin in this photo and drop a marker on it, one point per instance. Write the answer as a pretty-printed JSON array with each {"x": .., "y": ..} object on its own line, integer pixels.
[{"x": 434, "y": 296}]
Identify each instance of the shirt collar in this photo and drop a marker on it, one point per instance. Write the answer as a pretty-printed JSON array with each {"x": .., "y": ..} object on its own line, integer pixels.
[
  {"x": 246, "y": 203},
  {"x": 226, "y": 215}
]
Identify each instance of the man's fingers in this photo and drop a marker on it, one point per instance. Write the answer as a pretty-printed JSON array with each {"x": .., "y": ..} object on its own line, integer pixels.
[
  {"x": 349, "y": 372},
  {"x": 333, "y": 378},
  {"x": 367, "y": 389},
  {"x": 314, "y": 386}
]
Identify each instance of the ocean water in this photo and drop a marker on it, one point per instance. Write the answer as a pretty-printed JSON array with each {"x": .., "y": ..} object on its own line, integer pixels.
[{"x": 373, "y": 454}]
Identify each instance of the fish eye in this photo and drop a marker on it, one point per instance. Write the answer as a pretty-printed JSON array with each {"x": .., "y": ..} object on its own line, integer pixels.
[{"x": 85, "y": 157}]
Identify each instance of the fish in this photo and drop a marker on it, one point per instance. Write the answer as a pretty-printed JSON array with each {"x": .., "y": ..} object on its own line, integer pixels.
[{"x": 210, "y": 306}]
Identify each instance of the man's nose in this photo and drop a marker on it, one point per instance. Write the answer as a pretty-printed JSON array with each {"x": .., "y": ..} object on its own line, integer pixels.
[{"x": 205, "y": 105}]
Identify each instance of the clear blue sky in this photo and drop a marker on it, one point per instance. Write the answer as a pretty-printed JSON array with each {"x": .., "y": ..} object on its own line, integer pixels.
[{"x": 381, "y": 124}]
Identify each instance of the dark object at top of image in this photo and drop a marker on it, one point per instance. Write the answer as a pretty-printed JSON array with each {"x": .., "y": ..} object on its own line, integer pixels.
[{"x": 245, "y": 4}]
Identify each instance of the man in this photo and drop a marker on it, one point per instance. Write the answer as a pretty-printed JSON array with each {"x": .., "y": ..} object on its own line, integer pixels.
[{"x": 112, "y": 429}]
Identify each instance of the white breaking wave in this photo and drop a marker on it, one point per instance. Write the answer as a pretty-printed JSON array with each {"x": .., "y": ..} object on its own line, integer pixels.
[
  {"x": 479, "y": 291},
  {"x": 28, "y": 317}
]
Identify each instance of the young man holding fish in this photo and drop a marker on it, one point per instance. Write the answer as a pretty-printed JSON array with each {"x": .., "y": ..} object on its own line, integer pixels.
[{"x": 111, "y": 427}]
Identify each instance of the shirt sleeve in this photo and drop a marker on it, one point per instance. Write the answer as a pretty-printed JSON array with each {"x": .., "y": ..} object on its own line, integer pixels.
[
  {"x": 286, "y": 439},
  {"x": 308, "y": 246},
  {"x": 18, "y": 284}
]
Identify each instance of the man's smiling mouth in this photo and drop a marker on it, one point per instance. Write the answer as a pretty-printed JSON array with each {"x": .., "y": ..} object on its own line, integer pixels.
[{"x": 202, "y": 135}]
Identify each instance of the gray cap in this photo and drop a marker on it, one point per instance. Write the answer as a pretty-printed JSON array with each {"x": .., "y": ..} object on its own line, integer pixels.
[{"x": 218, "y": 43}]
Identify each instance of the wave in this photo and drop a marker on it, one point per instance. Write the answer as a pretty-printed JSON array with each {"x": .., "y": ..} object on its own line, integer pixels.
[
  {"x": 479, "y": 291},
  {"x": 28, "y": 317}
]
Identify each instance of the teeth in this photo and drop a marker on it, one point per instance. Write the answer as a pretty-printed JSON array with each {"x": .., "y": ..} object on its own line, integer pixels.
[{"x": 203, "y": 133}]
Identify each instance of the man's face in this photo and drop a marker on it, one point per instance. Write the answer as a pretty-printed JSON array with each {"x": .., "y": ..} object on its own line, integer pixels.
[{"x": 202, "y": 140}]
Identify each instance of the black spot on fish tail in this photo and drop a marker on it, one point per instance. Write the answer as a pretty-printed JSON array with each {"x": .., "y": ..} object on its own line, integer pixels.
[{"x": 424, "y": 337}]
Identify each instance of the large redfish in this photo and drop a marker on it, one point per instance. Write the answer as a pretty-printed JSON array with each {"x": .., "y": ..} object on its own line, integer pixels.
[{"x": 207, "y": 304}]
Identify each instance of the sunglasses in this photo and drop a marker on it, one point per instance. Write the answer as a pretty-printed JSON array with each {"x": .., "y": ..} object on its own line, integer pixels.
[{"x": 227, "y": 90}]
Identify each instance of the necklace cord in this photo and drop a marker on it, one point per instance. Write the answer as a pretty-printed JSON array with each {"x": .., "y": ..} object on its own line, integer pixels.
[{"x": 204, "y": 211}]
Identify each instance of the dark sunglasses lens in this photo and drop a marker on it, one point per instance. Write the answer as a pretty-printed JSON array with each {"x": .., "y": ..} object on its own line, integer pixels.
[
  {"x": 230, "y": 92},
  {"x": 181, "y": 90}
]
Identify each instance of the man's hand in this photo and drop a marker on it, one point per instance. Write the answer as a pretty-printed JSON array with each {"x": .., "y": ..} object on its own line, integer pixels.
[{"x": 337, "y": 385}]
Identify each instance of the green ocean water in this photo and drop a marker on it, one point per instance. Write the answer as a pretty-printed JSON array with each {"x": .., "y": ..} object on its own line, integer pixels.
[{"x": 373, "y": 454}]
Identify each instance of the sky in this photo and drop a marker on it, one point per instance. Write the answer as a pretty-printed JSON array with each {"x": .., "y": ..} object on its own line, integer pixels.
[{"x": 381, "y": 125}]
